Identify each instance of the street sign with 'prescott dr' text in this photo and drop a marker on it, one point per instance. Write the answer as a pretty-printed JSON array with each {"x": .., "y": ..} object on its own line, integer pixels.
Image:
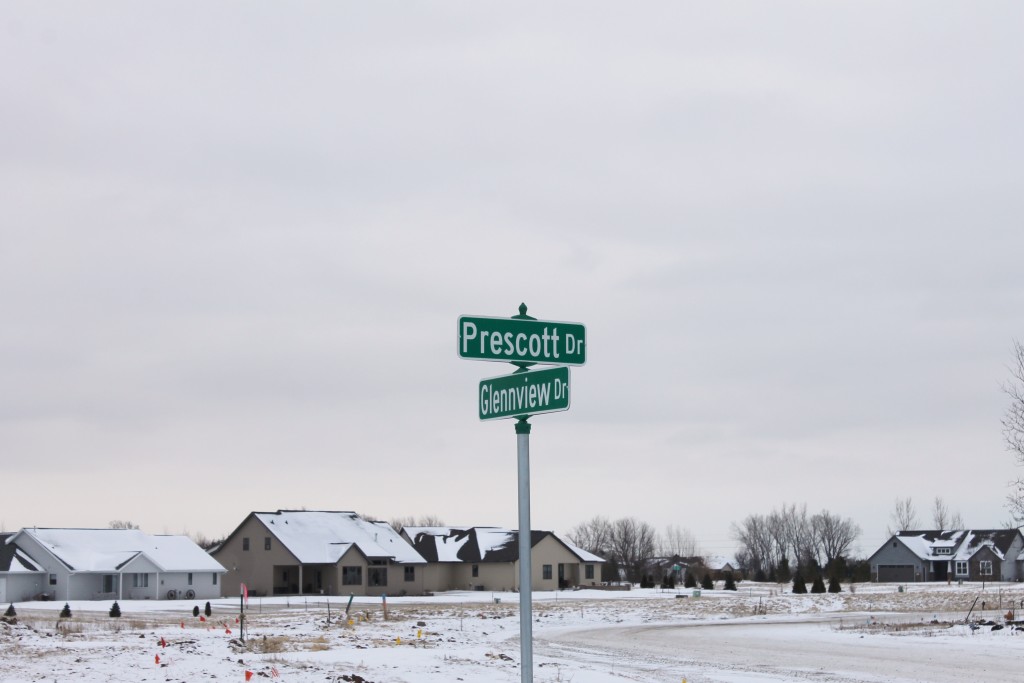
[
  {"x": 522, "y": 394},
  {"x": 512, "y": 340}
]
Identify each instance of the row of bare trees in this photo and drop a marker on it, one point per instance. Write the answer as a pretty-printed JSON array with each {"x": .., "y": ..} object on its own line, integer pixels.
[
  {"x": 789, "y": 537},
  {"x": 904, "y": 516},
  {"x": 629, "y": 544}
]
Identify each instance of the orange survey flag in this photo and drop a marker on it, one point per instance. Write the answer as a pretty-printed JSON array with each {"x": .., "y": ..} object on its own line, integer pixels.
[
  {"x": 157, "y": 658},
  {"x": 248, "y": 675}
]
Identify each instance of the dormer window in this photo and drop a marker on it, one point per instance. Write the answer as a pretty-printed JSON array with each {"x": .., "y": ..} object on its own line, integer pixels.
[{"x": 943, "y": 551}]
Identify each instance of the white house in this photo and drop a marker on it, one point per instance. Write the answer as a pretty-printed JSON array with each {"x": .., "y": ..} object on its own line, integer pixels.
[{"x": 123, "y": 564}]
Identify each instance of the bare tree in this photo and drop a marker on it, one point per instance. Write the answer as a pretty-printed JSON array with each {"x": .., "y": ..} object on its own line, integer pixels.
[
  {"x": 678, "y": 541},
  {"x": 397, "y": 523},
  {"x": 833, "y": 535},
  {"x": 122, "y": 524},
  {"x": 594, "y": 536},
  {"x": 757, "y": 543},
  {"x": 903, "y": 515},
  {"x": 956, "y": 521},
  {"x": 632, "y": 545},
  {"x": 940, "y": 513},
  {"x": 1013, "y": 429}
]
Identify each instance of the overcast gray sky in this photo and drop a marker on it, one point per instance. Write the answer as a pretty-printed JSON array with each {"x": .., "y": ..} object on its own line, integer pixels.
[{"x": 235, "y": 239}]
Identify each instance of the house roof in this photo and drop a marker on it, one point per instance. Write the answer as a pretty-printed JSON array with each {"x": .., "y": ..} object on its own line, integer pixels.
[
  {"x": 479, "y": 544},
  {"x": 13, "y": 559},
  {"x": 959, "y": 544},
  {"x": 108, "y": 550},
  {"x": 322, "y": 537}
]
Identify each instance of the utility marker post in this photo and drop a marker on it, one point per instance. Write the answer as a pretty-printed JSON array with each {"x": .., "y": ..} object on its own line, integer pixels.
[{"x": 523, "y": 341}]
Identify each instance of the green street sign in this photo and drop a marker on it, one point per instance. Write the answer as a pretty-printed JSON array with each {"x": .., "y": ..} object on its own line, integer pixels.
[
  {"x": 524, "y": 393},
  {"x": 511, "y": 340}
]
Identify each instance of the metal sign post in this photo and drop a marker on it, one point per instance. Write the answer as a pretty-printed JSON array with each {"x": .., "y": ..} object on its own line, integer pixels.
[
  {"x": 523, "y": 341},
  {"x": 525, "y": 553}
]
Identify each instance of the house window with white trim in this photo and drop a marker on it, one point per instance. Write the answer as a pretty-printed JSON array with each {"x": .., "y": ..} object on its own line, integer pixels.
[
  {"x": 140, "y": 580},
  {"x": 588, "y": 571},
  {"x": 215, "y": 578},
  {"x": 410, "y": 573},
  {"x": 546, "y": 571},
  {"x": 985, "y": 568},
  {"x": 53, "y": 579},
  {"x": 190, "y": 578},
  {"x": 943, "y": 551},
  {"x": 960, "y": 568}
]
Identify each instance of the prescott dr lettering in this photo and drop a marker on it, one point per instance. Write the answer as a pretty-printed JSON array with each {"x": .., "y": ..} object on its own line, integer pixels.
[{"x": 531, "y": 341}]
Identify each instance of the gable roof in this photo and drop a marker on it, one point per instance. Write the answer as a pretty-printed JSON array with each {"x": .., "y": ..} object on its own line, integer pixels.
[
  {"x": 959, "y": 544},
  {"x": 479, "y": 544},
  {"x": 322, "y": 537},
  {"x": 13, "y": 559},
  {"x": 108, "y": 550}
]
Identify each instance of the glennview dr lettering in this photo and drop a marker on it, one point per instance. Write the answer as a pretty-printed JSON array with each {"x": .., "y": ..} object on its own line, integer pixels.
[
  {"x": 525, "y": 398},
  {"x": 543, "y": 345}
]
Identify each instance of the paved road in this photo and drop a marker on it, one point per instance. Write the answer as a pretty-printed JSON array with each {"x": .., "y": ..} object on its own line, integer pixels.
[{"x": 815, "y": 649}]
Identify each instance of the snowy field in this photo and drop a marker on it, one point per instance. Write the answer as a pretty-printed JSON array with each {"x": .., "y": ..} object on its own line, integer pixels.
[{"x": 754, "y": 635}]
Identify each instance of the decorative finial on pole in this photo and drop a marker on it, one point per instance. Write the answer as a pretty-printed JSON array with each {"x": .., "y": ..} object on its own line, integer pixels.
[{"x": 522, "y": 314}]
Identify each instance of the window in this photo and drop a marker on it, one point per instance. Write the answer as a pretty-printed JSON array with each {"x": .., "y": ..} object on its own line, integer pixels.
[
  {"x": 245, "y": 544},
  {"x": 476, "y": 570},
  {"x": 547, "y": 572},
  {"x": 985, "y": 568},
  {"x": 140, "y": 580},
  {"x": 588, "y": 571},
  {"x": 352, "y": 576},
  {"x": 53, "y": 579},
  {"x": 189, "y": 579},
  {"x": 377, "y": 576},
  {"x": 410, "y": 573},
  {"x": 266, "y": 543},
  {"x": 961, "y": 568},
  {"x": 108, "y": 583},
  {"x": 215, "y": 578},
  {"x": 943, "y": 551}
]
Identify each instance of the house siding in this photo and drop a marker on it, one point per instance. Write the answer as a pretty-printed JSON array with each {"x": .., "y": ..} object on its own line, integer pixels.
[
  {"x": 253, "y": 567},
  {"x": 888, "y": 556}
]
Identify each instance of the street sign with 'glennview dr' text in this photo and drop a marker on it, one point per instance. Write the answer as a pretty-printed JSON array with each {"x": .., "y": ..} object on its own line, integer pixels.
[{"x": 524, "y": 393}]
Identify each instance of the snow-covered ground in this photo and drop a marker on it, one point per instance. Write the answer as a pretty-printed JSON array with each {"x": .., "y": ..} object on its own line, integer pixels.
[{"x": 755, "y": 635}]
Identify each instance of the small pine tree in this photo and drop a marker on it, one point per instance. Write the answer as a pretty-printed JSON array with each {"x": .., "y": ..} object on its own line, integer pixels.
[
  {"x": 10, "y": 611},
  {"x": 115, "y": 610},
  {"x": 799, "y": 585},
  {"x": 66, "y": 612},
  {"x": 706, "y": 583},
  {"x": 195, "y": 611},
  {"x": 833, "y": 585},
  {"x": 819, "y": 585},
  {"x": 730, "y": 582},
  {"x": 689, "y": 581},
  {"x": 208, "y": 610}
]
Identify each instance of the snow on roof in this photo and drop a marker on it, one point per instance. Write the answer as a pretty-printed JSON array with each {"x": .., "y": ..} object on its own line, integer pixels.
[
  {"x": 579, "y": 552},
  {"x": 960, "y": 544},
  {"x": 446, "y": 541},
  {"x": 322, "y": 537},
  {"x": 107, "y": 550},
  {"x": 479, "y": 543}
]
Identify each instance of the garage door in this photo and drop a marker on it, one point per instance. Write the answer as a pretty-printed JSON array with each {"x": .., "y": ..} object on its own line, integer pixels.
[{"x": 895, "y": 573}]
